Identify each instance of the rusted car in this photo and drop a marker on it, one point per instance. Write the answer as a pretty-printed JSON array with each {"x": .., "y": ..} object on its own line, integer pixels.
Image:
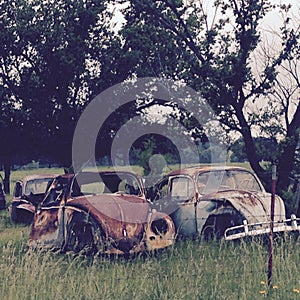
[
  {"x": 104, "y": 212},
  {"x": 2, "y": 195},
  {"x": 219, "y": 202},
  {"x": 28, "y": 194}
]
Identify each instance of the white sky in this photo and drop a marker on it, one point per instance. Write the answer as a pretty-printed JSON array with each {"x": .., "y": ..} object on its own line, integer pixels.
[{"x": 274, "y": 17}]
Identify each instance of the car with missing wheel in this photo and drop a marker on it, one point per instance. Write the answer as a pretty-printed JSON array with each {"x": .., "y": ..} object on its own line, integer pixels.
[
  {"x": 218, "y": 202},
  {"x": 28, "y": 194},
  {"x": 100, "y": 212}
]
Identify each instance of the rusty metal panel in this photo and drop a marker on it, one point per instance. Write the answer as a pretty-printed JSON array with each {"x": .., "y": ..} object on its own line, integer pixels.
[
  {"x": 106, "y": 223},
  {"x": 247, "y": 203},
  {"x": 45, "y": 231},
  {"x": 255, "y": 207},
  {"x": 185, "y": 220},
  {"x": 160, "y": 234}
]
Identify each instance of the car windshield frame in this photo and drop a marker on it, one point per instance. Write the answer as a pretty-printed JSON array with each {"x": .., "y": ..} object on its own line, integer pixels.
[
  {"x": 220, "y": 180},
  {"x": 182, "y": 187},
  {"x": 105, "y": 183},
  {"x": 30, "y": 186}
]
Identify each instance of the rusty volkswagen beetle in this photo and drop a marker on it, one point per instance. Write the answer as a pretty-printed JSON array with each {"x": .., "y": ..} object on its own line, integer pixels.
[
  {"x": 217, "y": 201},
  {"x": 103, "y": 212},
  {"x": 28, "y": 193}
]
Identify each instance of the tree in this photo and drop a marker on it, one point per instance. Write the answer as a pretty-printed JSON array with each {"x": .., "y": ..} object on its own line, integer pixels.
[
  {"x": 13, "y": 144},
  {"x": 283, "y": 121},
  {"x": 153, "y": 144},
  {"x": 50, "y": 62},
  {"x": 213, "y": 55}
]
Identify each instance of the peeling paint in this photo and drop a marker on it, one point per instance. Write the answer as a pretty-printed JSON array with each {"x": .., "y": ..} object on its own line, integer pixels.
[
  {"x": 28, "y": 193},
  {"x": 113, "y": 222},
  {"x": 220, "y": 197}
]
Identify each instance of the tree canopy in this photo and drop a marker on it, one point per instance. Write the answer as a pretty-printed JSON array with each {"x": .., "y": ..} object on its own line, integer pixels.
[
  {"x": 50, "y": 57},
  {"x": 57, "y": 55},
  {"x": 216, "y": 55}
]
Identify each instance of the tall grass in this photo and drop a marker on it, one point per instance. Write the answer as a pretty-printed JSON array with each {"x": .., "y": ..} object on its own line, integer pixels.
[{"x": 188, "y": 270}]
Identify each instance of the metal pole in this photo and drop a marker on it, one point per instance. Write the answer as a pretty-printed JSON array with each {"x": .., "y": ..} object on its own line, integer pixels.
[{"x": 273, "y": 191}]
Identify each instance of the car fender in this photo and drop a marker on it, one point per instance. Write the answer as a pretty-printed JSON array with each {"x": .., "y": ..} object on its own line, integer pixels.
[
  {"x": 254, "y": 207},
  {"x": 159, "y": 231}
]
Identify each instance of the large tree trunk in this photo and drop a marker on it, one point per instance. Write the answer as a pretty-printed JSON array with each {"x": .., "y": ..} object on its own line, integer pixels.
[
  {"x": 253, "y": 159},
  {"x": 250, "y": 148},
  {"x": 287, "y": 156},
  {"x": 286, "y": 163},
  {"x": 6, "y": 180}
]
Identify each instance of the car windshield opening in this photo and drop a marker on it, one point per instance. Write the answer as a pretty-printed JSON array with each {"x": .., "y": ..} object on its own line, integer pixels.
[
  {"x": 37, "y": 186},
  {"x": 221, "y": 180},
  {"x": 105, "y": 183}
]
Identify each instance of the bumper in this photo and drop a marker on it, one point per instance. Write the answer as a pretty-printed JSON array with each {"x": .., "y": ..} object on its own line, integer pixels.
[{"x": 255, "y": 229}]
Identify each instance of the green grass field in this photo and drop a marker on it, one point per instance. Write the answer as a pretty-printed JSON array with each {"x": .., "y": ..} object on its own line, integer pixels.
[{"x": 187, "y": 270}]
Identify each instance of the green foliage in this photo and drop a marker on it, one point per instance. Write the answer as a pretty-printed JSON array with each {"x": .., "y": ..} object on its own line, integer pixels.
[
  {"x": 151, "y": 146},
  {"x": 266, "y": 149},
  {"x": 51, "y": 56},
  {"x": 291, "y": 201}
]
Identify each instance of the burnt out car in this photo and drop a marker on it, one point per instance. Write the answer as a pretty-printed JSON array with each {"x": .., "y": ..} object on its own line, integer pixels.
[
  {"x": 2, "y": 195},
  {"x": 28, "y": 194},
  {"x": 219, "y": 202},
  {"x": 104, "y": 212}
]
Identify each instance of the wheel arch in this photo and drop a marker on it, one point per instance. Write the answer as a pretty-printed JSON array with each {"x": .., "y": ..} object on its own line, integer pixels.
[
  {"x": 82, "y": 231},
  {"x": 225, "y": 215}
]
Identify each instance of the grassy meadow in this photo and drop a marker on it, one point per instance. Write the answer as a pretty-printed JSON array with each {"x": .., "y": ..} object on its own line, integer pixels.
[{"x": 188, "y": 270}]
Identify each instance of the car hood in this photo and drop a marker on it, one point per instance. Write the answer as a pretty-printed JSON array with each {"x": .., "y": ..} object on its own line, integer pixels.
[
  {"x": 254, "y": 206},
  {"x": 118, "y": 207}
]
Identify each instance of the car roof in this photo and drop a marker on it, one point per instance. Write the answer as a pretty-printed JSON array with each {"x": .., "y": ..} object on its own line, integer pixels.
[
  {"x": 70, "y": 175},
  {"x": 37, "y": 176},
  {"x": 195, "y": 170}
]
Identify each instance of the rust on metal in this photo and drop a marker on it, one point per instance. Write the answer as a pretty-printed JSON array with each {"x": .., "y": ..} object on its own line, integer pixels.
[
  {"x": 28, "y": 194},
  {"x": 93, "y": 213},
  {"x": 206, "y": 200}
]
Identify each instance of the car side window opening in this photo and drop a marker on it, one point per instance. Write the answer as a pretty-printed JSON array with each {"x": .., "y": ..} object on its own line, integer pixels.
[
  {"x": 131, "y": 185},
  {"x": 164, "y": 189},
  {"x": 92, "y": 188},
  {"x": 54, "y": 192},
  {"x": 182, "y": 188},
  {"x": 160, "y": 190},
  {"x": 123, "y": 183}
]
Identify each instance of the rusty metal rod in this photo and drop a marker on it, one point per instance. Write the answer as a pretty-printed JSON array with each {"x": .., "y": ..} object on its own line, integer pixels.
[{"x": 273, "y": 191}]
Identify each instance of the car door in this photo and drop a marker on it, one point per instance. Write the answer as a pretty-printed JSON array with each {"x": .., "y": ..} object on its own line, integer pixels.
[
  {"x": 175, "y": 195},
  {"x": 183, "y": 197}
]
